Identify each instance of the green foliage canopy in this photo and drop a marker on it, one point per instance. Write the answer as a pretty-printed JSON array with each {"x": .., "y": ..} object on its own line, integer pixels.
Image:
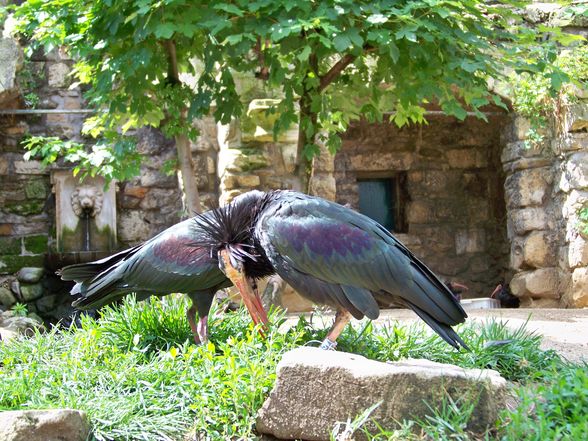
[{"x": 332, "y": 60}]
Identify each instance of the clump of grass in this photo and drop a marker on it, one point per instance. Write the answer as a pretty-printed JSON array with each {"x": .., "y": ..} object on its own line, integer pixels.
[
  {"x": 137, "y": 374},
  {"x": 515, "y": 353},
  {"x": 554, "y": 410},
  {"x": 447, "y": 421}
]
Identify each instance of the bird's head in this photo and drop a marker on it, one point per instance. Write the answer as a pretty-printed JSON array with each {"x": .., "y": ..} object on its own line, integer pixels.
[{"x": 227, "y": 232}]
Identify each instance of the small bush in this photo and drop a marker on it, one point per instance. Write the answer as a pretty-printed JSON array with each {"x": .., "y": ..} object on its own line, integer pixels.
[{"x": 555, "y": 410}]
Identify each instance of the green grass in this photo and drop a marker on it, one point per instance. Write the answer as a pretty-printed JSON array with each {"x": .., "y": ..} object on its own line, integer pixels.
[{"x": 137, "y": 374}]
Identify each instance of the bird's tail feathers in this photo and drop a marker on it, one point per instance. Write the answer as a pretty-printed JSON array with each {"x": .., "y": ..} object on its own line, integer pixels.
[
  {"x": 435, "y": 299},
  {"x": 443, "y": 330},
  {"x": 81, "y": 272}
]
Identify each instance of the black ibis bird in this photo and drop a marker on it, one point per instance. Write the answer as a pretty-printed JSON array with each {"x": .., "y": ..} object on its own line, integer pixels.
[
  {"x": 457, "y": 289},
  {"x": 170, "y": 262},
  {"x": 328, "y": 253},
  {"x": 504, "y": 296}
]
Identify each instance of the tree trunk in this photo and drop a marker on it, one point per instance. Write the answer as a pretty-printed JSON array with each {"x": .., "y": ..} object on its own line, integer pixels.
[
  {"x": 302, "y": 163},
  {"x": 186, "y": 172},
  {"x": 187, "y": 176},
  {"x": 303, "y": 166}
]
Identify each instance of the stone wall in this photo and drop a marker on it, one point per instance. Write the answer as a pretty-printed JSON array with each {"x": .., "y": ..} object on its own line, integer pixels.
[
  {"x": 545, "y": 188},
  {"x": 145, "y": 205},
  {"x": 455, "y": 213}
]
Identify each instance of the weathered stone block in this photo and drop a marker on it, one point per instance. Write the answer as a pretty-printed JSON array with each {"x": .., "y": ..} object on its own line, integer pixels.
[
  {"x": 30, "y": 292},
  {"x": 249, "y": 163},
  {"x": 36, "y": 244},
  {"x": 419, "y": 212},
  {"x": 539, "y": 303},
  {"x": 528, "y": 219},
  {"x": 25, "y": 208},
  {"x": 324, "y": 186},
  {"x": 132, "y": 227},
  {"x": 325, "y": 162},
  {"x": 29, "y": 167},
  {"x": 316, "y": 389},
  {"x": 382, "y": 161},
  {"x": 539, "y": 250},
  {"x": 573, "y": 142},
  {"x": 30, "y": 274},
  {"x": 576, "y": 117},
  {"x": 210, "y": 165},
  {"x": 58, "y": 75},
  {"x": 578, "y": 252},
  {"x": 158, "y": 197},
  {"x": 46, "y": 303},
  {"x": 448, "y": 266},
  {"x": 579, "y": 288},
  {"x": 135, "y": 191},
  {"x": 575, "y": 175},
  {"x": 470, "y": 241},
  {"x": 10, "y": 264},
  {"x": 540, "y": 12},
  {"x": 21, "y": 325},
  {"x": 36, "y": 189},
  {"x": 466, "y": 158},
  {"x": 10, "y": 245},
  {"x": 4, "y": 166},
  {"x": 513, "y": 151},
  {"x": 6, "y": 297},
  {"x": 11, "y": 58},
  {"x": 44, "y": 425},
  {"x": 528, "y": 187},
  {"x": 526, "y": 163},
  {"x": 247, "y": 181},
  {"x": 537, "y": 283},
  {"x": 153, "y": 178}
]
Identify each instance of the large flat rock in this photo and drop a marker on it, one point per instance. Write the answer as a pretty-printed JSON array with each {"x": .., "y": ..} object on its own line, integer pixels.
[
  {"x": 44, "y": 425},
  {"x": 315, "y": 389}
]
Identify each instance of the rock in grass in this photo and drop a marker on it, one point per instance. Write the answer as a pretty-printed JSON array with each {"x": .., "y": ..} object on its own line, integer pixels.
[
  {"x": 6, "y": 297},
  {"x": 44, "y": 425},
  {"x": 30, "y": 274},
  {"x": 315, "y": 389},
  {"x": 22, "y": 325}
]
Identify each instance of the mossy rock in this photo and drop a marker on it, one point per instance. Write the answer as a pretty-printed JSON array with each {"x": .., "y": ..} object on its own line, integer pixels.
[
  {"x": 25, "y": 208},
  {"x": 36, "y": 189},
  {"x": 10, "y": 264},
  {"x": 10, "y": 245},
  {"x": 37, "y": 244}
]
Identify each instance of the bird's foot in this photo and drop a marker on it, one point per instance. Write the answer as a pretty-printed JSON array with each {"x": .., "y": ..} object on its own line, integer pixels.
[{"x": 328, "y": 345}]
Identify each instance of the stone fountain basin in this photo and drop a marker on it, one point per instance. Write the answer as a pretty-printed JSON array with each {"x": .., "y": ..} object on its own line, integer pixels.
[{"x": 480, "y": 303}]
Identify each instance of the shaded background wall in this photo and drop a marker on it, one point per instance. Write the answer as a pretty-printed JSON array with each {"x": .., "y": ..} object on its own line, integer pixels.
[{"x": 468, "y": 197}]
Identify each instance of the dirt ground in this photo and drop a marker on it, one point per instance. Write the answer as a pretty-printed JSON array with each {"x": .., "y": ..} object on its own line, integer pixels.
[{"x": 564, "y": 330}]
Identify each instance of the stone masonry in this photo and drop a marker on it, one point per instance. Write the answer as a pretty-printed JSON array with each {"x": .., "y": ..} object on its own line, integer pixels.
[
  {"x": 478, "y": 205},
  {"x": 454, "y": 191}
]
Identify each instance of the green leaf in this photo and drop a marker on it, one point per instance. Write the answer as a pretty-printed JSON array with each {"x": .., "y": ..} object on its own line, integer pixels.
[
  {"x": 227, "y": 7},
  {"x": 303, "y": 56},
  {"x": 342, "y": 43},
  {"x": 165, "y": 30},
  {"x": 407, "y": 33}
]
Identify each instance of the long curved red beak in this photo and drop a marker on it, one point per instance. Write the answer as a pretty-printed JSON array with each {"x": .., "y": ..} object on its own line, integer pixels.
[
  {"x": 496, "y": 290},
  {"x": 249, "y": 296}
]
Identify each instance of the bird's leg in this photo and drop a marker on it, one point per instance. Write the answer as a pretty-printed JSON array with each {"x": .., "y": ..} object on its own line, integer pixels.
[
  {"x": 341, "y": 319},
  {"x": 202, "y": 329},
  {"x": 191, "y": 314}
]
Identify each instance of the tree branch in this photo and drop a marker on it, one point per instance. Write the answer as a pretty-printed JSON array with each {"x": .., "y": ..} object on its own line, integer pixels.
[
  {"x": 172, "y": 62},
  {"x": 337, "y": 68}
]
